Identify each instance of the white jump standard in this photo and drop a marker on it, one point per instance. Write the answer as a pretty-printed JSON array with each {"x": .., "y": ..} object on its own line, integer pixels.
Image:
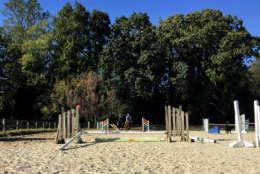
[
  {"x": 257, "y": 122},
  {"x": 240, "y": 142}
]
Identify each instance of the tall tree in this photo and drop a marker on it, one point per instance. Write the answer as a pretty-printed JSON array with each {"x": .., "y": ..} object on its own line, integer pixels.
[
  {"x": 23, "y": 24},
  {"x": 130, "y": 62},
  {"x": 78, "y": 40},
  {"x": 214, "y": 48}
]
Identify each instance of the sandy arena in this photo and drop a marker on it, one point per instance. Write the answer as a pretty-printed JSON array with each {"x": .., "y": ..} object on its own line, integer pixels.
[{"x": 39, "y": 154}]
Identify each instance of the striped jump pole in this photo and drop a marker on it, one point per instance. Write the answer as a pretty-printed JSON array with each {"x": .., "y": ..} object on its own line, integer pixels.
[{"x": 145, "y": 125}]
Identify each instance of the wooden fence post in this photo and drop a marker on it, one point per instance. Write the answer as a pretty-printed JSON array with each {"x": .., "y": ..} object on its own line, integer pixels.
[
  {"x": 59, "y": 137},
  {"x": 43, "y": 126},
  {"x": 182, "y": 125},
  {"x": 64, "y": 125},
  {"x": 68, "y": 124},
  {"x": 36, "y": 124},
  {"x": 166, "y": 122},
  {"x": 78, "y": 140},
  {"x": 17, "y": 124},
  {"x": 88, "y": 124},
  {"x": 187, "y": 127},
  {"x": 28, "y": 125},
  {"x": 3, "y": 122}
]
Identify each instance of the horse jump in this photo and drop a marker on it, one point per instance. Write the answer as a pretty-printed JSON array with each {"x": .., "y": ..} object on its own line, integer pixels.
[{"x": 176, "y": 122}]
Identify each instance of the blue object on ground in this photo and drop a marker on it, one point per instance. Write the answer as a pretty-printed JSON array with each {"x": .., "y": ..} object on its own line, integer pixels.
[{"x": 214, "y": 130}]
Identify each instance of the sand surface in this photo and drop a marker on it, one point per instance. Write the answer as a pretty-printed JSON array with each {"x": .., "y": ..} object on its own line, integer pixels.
[{"x": 39, "y": 154}]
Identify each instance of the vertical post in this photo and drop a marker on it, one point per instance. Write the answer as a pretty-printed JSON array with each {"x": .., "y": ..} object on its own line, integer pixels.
[
  {"x": 88, "y": 124},
  {"x": 59, "y": 136},
  {"x": 17, "y": 124},
  {"x": 68, "y": 125},
  {"x": 256, "y": 123},
  {"x": 187, "y": 127},
  {"x": 78, "y": 140},
  {"x": 258, "y": 106},
  {"x": 43, "y": 126},
  {"x": 3, "y": 122},
  {"x": 36, "y": 124},
  {"x": 174, "y": 119},
  {"x": 64, "y": 126},
  {"x": 148, "y": 126},
  {"x": 243, "y": 123},
  {"x": 73, "y": 120},
  {"x": 142, "y": 124},
  {"x": 169, "y": 123},
  {"x": 166, "y": 122},
  {"x": 182, "y": 125},
  {"x": 237, "y": 115},
  {"x": 206, "y": 124},
  {"x": 28, "y": 125}
]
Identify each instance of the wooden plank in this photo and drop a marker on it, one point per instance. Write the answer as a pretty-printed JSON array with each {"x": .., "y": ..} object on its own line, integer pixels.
[
  {"x": 69, "y": 124},
  {"x": 169, "y": 123},
  {"x": 59, "y": 136},
  {"x": 3, "y": 123},
  {"x": 182, "y": 125},
  {"x": 78, "y": 140},
  {"x": 17, "y": 124},
  {"x": 64, "y": 125},
  {"x": 166, "y": 121},
  {"x": 173, "y": 119},
  {"x": 187, "y": 127}
]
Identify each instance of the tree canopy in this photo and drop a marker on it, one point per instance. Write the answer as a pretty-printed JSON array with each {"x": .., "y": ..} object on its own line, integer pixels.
[{"x": 198, "y": 61}]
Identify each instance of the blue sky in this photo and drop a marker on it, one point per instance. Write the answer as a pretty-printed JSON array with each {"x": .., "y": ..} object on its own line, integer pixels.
[{"x": 248, "y": 11}]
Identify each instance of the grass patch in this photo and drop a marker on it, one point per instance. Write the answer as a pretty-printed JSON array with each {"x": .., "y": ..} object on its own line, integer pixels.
[{"x": 10, "y": 133}]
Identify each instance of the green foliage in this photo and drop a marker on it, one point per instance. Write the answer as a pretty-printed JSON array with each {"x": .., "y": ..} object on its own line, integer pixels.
[
  {"x": 213, "y": 47},
  {"x": 78, "y": 39},
  {"x": 255, "y": 78},
  {"x": 195, "y": 60}
]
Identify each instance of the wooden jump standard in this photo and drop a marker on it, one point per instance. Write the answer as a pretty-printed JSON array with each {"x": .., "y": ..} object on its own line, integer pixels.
[
  {"x": 68, "y": 125},
  {"x": 177, "y": 124}
]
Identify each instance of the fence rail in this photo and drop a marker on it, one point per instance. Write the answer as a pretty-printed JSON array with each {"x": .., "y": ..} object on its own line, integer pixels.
[{"x": 25, "y": 124}]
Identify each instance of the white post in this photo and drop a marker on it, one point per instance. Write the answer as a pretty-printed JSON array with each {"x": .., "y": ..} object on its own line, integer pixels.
[
  {"x": 240, "y": 142},
  {"x": 88, "y": 124},
  {"x": 148, "y": 126},
  {"x": 238, "y": 121},
  {"x": 256, "y": 123},
  {"x": 206, "y": 124},
  {"x": 243, "y": 123},
  {"x": 258, "y": 111}
]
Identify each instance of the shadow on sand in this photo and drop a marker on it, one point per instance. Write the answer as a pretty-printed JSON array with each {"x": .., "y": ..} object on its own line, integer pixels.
[{"x": 14, "y": 139}]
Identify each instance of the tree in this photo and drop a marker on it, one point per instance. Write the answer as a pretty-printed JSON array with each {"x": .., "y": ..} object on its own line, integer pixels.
[
  {"x": 213, "y": 47},
  {"x": 23, "y": 26},
  {"x": 84, "y": 90},
  {"x": 78, "y": 39},
  {"x": 255, "y": 78}
]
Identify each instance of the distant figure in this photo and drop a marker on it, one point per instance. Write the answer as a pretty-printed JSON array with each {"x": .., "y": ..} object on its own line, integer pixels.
[
  {"x": 120, "y": 121},
  {"x": 128, "y": 121},
  {"x": 228, "y": 128}
]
